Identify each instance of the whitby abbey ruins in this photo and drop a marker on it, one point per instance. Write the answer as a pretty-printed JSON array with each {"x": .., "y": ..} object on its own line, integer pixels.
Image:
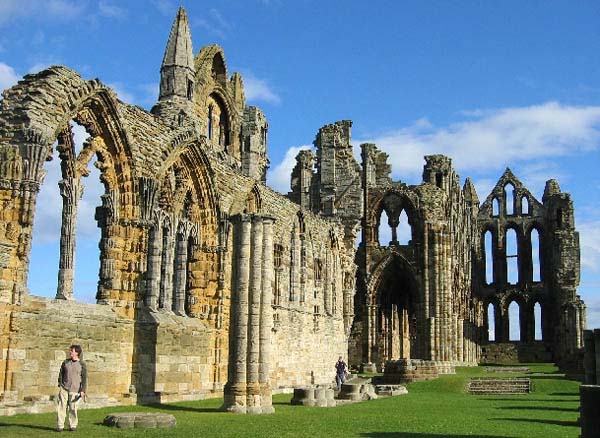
[{"x": 211, "y": 284}]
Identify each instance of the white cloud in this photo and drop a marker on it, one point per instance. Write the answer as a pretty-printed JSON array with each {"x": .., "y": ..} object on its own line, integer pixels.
[
  {"x": 111, "y": 10},
  {"x": 64, "y": 10},
  {"x": 279, "y": 177},
  {"x": 8, "y": 76},
  {"x": 122, "y": 93},
  {"x": 492, "y": 139},
  {"x": 149, "y": 93},
  {"x": 259, "y": 90},
  {"x": 48, "y": 214}
]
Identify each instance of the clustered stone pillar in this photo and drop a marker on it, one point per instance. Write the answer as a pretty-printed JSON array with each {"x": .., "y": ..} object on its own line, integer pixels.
[
  {"x": 154, "y": 262},
  {"x": 181, "y": 255},
  {"x": 71, "y": 190},
  {"x": 248, "y": 389}
]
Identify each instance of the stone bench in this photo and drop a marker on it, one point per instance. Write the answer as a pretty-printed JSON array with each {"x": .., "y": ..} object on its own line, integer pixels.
[
  {"x": 140, "y": 420},
  {"x": 495, "y": 386}
]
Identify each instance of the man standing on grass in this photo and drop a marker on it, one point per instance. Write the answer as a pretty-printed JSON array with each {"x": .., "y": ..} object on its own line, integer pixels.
[
  {"x": 341, "y": 369},
  {"x": 72, "y": 384}
]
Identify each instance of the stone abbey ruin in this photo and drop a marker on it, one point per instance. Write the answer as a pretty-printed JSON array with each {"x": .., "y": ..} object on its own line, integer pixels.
[{"x": 212, "y": 284}]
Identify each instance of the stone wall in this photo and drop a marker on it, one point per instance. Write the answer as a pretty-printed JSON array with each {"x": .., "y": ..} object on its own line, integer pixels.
[
  {"x": 156, "y": 357},
  {"x": 513, "y": 352}
]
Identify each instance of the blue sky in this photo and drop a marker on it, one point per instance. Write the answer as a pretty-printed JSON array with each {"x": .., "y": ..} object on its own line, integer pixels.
[{"x": 491, "y": 84}]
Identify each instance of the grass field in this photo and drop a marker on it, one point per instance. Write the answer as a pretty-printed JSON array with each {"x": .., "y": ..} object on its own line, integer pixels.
[{"x": 433, "y": 409}]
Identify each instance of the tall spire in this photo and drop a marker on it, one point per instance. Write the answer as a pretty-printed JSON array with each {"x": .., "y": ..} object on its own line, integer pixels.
[{"x": 177, "y": 70}]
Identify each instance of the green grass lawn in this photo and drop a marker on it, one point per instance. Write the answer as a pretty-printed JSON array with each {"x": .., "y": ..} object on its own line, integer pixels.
[{"x": 432, "y": 409}]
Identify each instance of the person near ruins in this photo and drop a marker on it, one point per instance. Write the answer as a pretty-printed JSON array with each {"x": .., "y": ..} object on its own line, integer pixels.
[
  {"x": 341, "y": 371},
  {"x": 72, "y": 385}
]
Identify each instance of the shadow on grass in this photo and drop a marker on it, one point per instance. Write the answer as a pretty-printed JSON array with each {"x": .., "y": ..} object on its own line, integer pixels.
[
  {"x": 526, "y": 399},
  {"x": 539, "y": 408},
  {"x": 566, "y": 394},
  {"x": 419, "y": 435},
  {"x": 27, "y": 426},
  {"x": 538, "y": 420}
]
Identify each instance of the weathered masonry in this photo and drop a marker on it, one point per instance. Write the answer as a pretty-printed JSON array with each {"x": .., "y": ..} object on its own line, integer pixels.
[{"x": 212, "y": 284}]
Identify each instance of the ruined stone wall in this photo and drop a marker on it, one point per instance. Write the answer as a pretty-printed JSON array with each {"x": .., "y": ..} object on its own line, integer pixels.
[
  {"x": 156, "y": 357},
  {"x": 443, "y": 317}
]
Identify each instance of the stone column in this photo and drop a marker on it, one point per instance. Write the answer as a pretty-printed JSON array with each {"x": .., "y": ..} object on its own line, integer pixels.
[
  {"x": 252, "y": 385},
  {"x": 235, "y": 388},
  {"x": 71, "y": 190},
  {"x": 181, "y": 255},
  {"x": 155, "y": 241},
  {"x": 266, "y": 317}
]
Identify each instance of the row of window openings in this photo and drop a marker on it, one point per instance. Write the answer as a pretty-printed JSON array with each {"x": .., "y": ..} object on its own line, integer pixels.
[
  {"x": 398, "y": 235},
  {"x": 180, "y": 280},
  {"x": 514, "y": 322},
  {"x": 277, "y": 295},
  {"x": 510, "y": 202},
  {"x": 512, "y": 256}
]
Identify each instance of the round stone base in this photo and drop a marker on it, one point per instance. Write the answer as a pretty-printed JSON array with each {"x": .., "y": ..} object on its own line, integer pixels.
[{"x": 140, "y": 420}]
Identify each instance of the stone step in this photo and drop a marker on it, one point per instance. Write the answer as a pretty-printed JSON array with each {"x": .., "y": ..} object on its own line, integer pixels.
[{"x": 484, "y": 385}]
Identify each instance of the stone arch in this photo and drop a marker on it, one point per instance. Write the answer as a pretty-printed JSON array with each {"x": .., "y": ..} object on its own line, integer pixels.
[
  {"x": 30, "y": 125},
  {"x": 254, "y": 201},
  {"x": 394, "y": 291},
  {"x": 393, "y": 202},
  {"x": 190, "y": 246},
  {"x": 213, "y": 89}
]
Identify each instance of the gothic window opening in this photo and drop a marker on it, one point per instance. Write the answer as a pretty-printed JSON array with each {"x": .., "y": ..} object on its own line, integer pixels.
[
  {"x": 163, "y": 301},
  {"x": 223, "y": 130},
  {"x": 559, "y": 218},
  {"x": 318, "y": 272},
  {"x": 404, "y": 233},
  {"x": 209, "y": 123},
  {"x": 384, "y": 231},
  {"x": 537, "y": 314},
  {"x": 512, "y": 257},
  {"x": 190, "y": 89},
  {"x": 218, "y": 69},
  {"x": 277, "y": 263},
  {"x": 535, "y": 254},
  {"x": 495, "y": 207},
  {"x": 189, "y": 299},
  {"x": 64, "y": 252},
  {"x": 514, "y": 323},
  {"x": 439, "y": 179},
  {"x": 525, "y": 205},
  {"x": 491, "y": 322},
  {"x": 509, "y": 199},
  {"x": 489, "y": 257}
]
